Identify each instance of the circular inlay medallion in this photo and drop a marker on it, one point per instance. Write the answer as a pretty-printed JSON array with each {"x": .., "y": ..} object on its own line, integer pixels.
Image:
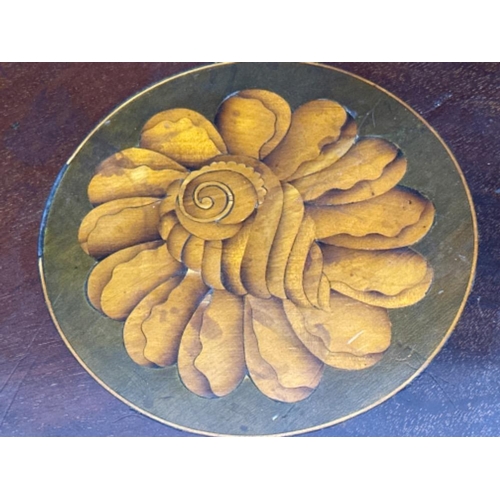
[{"x": 258, "y": 249}]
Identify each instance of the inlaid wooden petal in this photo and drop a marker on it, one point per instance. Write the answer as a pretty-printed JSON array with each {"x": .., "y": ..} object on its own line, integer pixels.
[
  {"x": 211, "y": 265},
  {"x": 131, "y": 281},
  {"x": 192, "y": 253},
  {"x": 277, "y": 361},
  {"x": 365, "y": 161},
  {"x": 324, "y": 293},
  {"x": 133, "y": 173},
  {"x": 119, "y": 224},
  {"x": 253, "y": 122},
  {"x": 386, "y": 215},
  {"x": 313, "y": 274},
  {"x": 212, "y": 346},
  {"x": 233, "y": 251},
  {"x": 352, "y": 328},
  {"x": 406, "y": 298},
  {"x": 386, "y": 272},
  {"x": 346, "y": 361},
  {"x": 289, "y": 225},
  {"x": 407, "y": 237},
  {"x": 176, "y": 241},
  {"x": 294, "y": 274},
  {"x": 364, "y": 190},
  {"x": 166, "y": 224},
  {"x": 183, "y": 135},
  {"x": 315, "y": 125},
  {"x": 189, "y": 349},
  {"x": 102, "y": 273},
  {"x": 330, "y": 153},
  {"x": 164, "y": 327},
  {"x": 133, "y": 336}
]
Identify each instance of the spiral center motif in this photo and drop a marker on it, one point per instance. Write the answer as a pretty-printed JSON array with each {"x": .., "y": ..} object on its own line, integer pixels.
[
  {"x": 206, "y": 201},
  {"x": 223, "y": 193}
]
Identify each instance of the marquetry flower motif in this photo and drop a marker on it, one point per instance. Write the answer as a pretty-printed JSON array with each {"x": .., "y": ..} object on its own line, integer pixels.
[{"x": 267, "y": 245}]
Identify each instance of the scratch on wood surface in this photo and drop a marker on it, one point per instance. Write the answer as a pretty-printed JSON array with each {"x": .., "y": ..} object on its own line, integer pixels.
[
  {"x": 128, "y": 416},
  {"x": 19, "y": 362},
  {"x": 411, "y": 351},
  {"x": 49, "y": 342},
  {"x": 355, "y": 337},
  {"x": 284, "y": 415},
  {"x": 412, "y": 367},
  {"x": 371, "y": 113},
  {"x": 9, "y": 378},
  {"x": 439, "y": 102},
  {"x": 442, "y": 389},
  {"x": 479, "y": 307},
  {"x": 9, "y": 406}
]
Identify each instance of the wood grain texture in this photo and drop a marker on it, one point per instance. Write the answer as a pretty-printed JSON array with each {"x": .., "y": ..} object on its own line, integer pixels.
[{"x": 47, "y": 110}]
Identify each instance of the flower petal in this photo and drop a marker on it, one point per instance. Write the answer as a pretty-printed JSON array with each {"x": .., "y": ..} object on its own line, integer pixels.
[
  {"x": 331, "y": 153},
  {"x": 233, "y": 251},
  {"x": 387, "y": 272},
  {"x": 176, "y": 241},
  {"x": 131, "y": 281},
  {"x": 212, "y": 346},
  {"x": 168, "y": 218},
  {"x": 183, "y": 135},
  {"x": 386, "y": 215},
  {"x": 324, "y": 293},
  {"x": 119, "y": 224},
  {"x": 211, "y": 265},
  {"x": 405, "y": 298},
  {"x": 313, "y": 274},
  {"x": 277, "y": 361},
  {"x": 133, "y": 173},
  {"x": 389, "y": 279},
  {"x": 167, "y": 223},
  {"x": 133, "y": 336},
  {"x": 294, "y": 274},
  {"x": 352, "y": 330},
  {"x": 169, "y": 202},
  {"x": 102, "y": 273},
  {"x": 365, "y": 161},
  {"x": 168, "y": 320},
  {"x": 253, "y": 122},
  {"x": 407, "y": 237},
  {"x": 288, "y": 228},
  {"x": 192, "y": 253},
  {"x": 364, "y": 190},
  {"x": 189, "y": 349},
  {"x": 314, "y": 125}
]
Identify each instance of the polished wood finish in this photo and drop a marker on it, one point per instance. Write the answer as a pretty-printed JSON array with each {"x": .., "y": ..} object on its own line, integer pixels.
[{"x": 51, "y": 99}]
